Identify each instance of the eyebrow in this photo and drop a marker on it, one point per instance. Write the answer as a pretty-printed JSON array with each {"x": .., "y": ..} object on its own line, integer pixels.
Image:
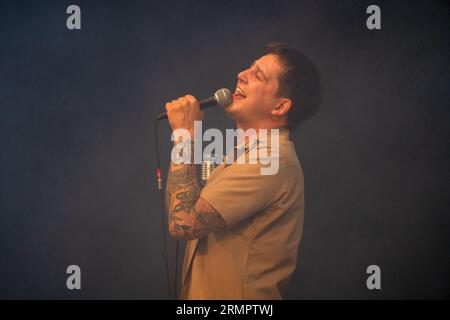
[{"x": 259, "y": 70}]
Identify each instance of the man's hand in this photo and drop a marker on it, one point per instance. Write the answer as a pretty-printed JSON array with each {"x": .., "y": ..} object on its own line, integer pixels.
[{"x": 182, "y": 113}]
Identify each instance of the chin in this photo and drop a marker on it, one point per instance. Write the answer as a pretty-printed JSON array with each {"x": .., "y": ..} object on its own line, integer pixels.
[
  {"x": 229, "y": 111},
  {"x": 233, "y": 111},
  {"x": 237, "y": 104}
]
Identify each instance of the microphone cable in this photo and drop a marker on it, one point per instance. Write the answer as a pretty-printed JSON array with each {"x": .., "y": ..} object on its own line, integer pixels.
[
  {"x": 222, "y": 98},
  {"x": 163, "y": 219}
]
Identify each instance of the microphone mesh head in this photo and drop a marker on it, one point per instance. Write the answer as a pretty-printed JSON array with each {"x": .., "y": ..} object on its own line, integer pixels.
[
  {"x": 223, "y": 97},
  {"x": 209, "y": 163}
]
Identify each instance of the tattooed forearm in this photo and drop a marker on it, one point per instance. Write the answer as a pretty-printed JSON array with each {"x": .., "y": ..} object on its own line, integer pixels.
[
  {"x": 189, "y": 216},
  {"x": 182, "y": 192}
]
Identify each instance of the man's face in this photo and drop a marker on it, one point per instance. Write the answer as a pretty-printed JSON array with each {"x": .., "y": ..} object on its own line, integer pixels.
[{"x": 256, "y": 93}]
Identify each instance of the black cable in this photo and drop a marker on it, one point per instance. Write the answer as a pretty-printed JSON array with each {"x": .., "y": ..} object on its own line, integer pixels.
[
  {"x": 161, "y": 194},
  {"x": 163, "y": 219}
]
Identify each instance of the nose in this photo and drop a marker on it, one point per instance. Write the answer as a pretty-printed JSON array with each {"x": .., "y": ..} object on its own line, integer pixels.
[{"x": 242, "y": 76}]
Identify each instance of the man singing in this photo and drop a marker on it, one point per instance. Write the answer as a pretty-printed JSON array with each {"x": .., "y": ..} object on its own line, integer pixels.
[{"x": 244, "y": 228}]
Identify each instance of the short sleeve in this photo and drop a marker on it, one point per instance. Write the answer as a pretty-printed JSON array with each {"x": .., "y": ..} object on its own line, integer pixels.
[{"x": 239, "y": 191}]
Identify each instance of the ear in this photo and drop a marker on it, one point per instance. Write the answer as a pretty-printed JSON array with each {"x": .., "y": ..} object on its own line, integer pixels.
[{"x": 282, "y": 107}]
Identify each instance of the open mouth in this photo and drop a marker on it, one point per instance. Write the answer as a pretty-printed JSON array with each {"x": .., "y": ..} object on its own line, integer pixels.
[{"x": 239, "y": 94}]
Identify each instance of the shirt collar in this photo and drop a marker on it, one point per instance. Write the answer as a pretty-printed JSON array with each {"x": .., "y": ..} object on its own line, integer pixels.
[{"x": 283, "y": 135}]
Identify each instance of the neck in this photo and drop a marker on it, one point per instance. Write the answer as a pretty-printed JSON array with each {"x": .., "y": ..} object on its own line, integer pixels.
[{"x": 257, "y": 127}]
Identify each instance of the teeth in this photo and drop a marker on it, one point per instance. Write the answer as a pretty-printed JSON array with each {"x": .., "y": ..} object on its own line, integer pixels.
[{"x": 240, "y": 92}]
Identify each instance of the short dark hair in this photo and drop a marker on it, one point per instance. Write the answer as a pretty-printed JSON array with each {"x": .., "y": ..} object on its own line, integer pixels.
[{"x": 300, "y": 82}]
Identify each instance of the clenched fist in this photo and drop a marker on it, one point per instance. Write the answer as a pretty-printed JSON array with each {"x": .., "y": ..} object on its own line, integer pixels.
[{"x": 182, "y": 113}]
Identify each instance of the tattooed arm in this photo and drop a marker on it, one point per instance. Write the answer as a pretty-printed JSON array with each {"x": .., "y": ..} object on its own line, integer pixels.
[{"x": 190, "y": 217}]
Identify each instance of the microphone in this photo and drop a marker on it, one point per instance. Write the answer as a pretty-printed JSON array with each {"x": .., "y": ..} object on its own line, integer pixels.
[
  {"x": 209, "y": 163},
  {"x": 221, "y": 98}
]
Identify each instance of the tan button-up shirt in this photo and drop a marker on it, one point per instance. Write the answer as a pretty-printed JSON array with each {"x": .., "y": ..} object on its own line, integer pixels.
[{"x": 256, "y": 255}]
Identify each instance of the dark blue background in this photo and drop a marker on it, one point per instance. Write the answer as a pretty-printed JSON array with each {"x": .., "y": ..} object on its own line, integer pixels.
[{"x": 78, "y": 155}]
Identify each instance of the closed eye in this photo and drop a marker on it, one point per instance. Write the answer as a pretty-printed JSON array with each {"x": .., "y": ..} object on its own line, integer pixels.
[{"x": 259, "y": 73}]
